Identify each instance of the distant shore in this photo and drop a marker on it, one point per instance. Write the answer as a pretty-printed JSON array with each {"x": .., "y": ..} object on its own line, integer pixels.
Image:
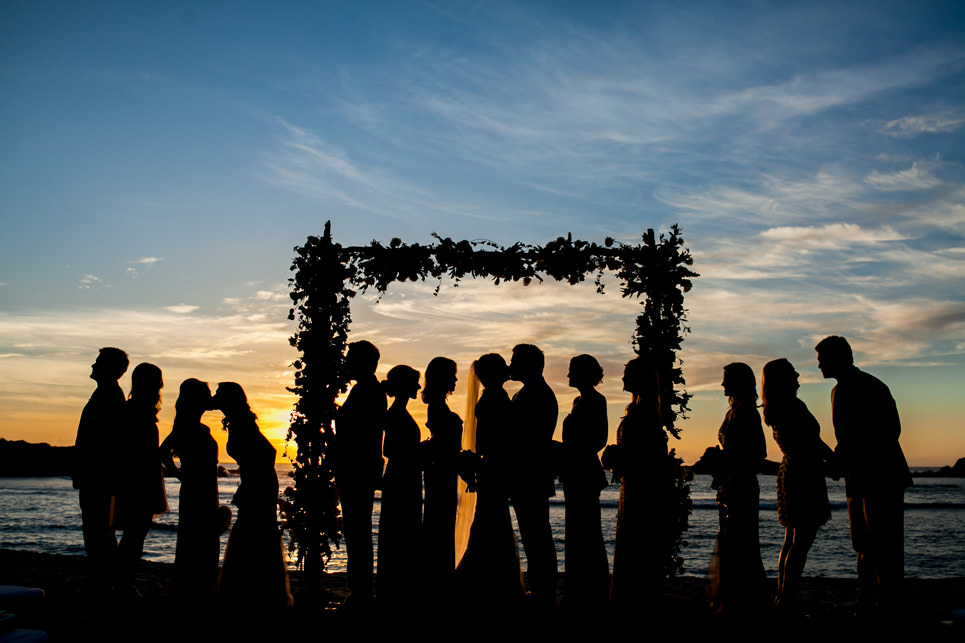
[{"x": 71, "y": 612}]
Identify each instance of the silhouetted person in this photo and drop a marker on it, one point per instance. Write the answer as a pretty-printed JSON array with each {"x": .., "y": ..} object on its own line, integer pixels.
[
  {"x": 640, "y": 460},
  {"x": 867, "y": 427},
  {"x": 400, "y": 519},
  {"x": 584, "y": 436},
  {"x": 736, "y": 572},
  {"x": 200, "y": 522},
  {"x": 95, "y": 452},
  {"x": 141, "y": 496},
  {"x": 535, "y": 412},
  {"x": 489, "y": 573},
  {"x": 253, "y": 575},
  {"x": 358, "y": 466},
  {"x": 802, "y": 495},
  {"x": 445, "y": 444}
]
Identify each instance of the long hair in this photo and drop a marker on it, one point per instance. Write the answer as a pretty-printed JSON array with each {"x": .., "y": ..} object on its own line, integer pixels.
[
  {"x": 741, "y": 378},
  {"x": 194, "y": 395},
  {"x": 146, "y": 385},
  {"x": 643, "y": 381},
  {"x": 437, "y": 370},
  {"x": 234, "y": 404},
  {"x": 778, "y": 387}
]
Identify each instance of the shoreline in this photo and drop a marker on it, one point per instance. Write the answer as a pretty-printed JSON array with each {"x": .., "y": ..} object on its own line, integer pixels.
[{"x": 69, "y": 611}]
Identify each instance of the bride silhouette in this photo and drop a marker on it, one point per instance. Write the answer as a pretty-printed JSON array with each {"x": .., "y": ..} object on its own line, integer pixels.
[{"x": 489, "y": 572}]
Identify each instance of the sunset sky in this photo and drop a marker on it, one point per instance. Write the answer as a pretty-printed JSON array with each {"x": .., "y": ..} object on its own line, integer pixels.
[{"x": 158, "y": 163}]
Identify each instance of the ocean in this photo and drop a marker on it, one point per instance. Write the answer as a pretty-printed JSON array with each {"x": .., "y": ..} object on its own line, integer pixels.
[{"x": 41, "y": 514}]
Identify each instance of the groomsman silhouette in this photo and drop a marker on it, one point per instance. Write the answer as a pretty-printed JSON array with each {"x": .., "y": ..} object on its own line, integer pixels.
[
  {"x": 535, "y": 412},
  {"x": 866, "y": 427},
  {"x": 359, "y": 425},
  {"x": 95, "y": 450}
]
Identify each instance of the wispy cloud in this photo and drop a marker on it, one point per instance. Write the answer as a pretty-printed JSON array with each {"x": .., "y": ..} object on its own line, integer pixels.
[
  {"x": 917, "y": 177},
  {"x": 910, "y": 126}
]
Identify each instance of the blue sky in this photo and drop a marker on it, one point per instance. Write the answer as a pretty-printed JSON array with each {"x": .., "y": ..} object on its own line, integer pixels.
[{"x": 160, "y": 162}]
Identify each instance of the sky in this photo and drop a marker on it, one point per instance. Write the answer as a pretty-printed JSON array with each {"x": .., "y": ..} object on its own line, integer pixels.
[{"x": 160, "y": 161}]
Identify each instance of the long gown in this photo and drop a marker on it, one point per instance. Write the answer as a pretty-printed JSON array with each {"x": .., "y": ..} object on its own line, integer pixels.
[
  {"x": 643, "y": 516},
  {"x": 584, "y": 435},
  {"x": 736, "y": 572},
  {"x": 142, "y": 495},
  {"x": 198, "y": 547},
  {"x": 489, "y": 572},
  {"x": 802, "y": 493},
  {"x": 400, "y": 521},
  {"x": 254, "y": 573},
  {"x": 439, "y": 521}
]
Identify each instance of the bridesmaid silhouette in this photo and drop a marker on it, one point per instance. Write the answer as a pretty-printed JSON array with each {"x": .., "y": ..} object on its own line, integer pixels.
[
  {"x": 736, "y": 573},
  {"x": 400, "y": 520},
  {"x": 584, "y": 436},
  {"x": 142, "y": 496},
  {"x": 640, "y": 460},
  {"x": 489, "y": 573},
  {"x": 254, "y": 573},
  {"x": 445, "y": 443},
  {"x": 802, "y": 494},
  {"x": 200, "y": 524}
]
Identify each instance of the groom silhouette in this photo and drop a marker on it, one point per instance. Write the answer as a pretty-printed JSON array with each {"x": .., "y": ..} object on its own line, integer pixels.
[
  {"x": 95, "y": 456},
  {"x": 535, "y": 411},
  {"x": 359, "y": 425}
]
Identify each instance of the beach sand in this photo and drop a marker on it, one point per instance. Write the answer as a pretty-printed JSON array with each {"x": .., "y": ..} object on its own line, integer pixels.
[{"x": 71, "y": 611}]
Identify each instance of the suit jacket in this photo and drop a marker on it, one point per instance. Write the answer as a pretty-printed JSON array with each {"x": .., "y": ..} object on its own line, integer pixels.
[
  {"x": 535, "y": 412},
  {"x": 867, "y": 427},
  {"x": 98, "y": 439},
  {"x": 359, "y": 426}
]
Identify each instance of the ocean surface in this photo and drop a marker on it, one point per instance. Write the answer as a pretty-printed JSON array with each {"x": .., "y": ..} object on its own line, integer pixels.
[{"x": 41, "y": 514}]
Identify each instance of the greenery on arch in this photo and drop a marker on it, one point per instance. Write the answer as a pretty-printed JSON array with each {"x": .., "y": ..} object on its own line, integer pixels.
[{"x": 327, "y": 276}]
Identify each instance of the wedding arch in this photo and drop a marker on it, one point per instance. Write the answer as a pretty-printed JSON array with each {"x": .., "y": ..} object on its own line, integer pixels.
[{"x": 328, "y": 275}]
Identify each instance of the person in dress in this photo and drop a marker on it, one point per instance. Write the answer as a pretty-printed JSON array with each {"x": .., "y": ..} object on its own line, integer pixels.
[
  {"x": 141, "y": 497},
  {"x": 200, "y": 523},
  {"x": 489, "y": 572},
  {"x": 445, "y": 444},
  {"x": 400, "y": 520},
  {"x": 736, "y": 573},
  {"x": 640, "y": 461},
  {"x": 584, "y": 436},
  {"x": 253, "y": 574},
  {"x": 802, "y": 495}
]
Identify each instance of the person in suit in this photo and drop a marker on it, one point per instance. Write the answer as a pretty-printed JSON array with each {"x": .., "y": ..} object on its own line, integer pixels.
[
  {"x": 95, "y": 453},
  {"x": 867, "y": 427},
  {"x": 535, "y": 411},
  {"x": 359, "y": 425}
]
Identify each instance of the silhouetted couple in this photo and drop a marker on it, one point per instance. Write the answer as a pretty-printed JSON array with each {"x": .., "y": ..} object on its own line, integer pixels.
[
  {"x": 254, "y": 572},
  {"x": 117, "y": 469}
]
